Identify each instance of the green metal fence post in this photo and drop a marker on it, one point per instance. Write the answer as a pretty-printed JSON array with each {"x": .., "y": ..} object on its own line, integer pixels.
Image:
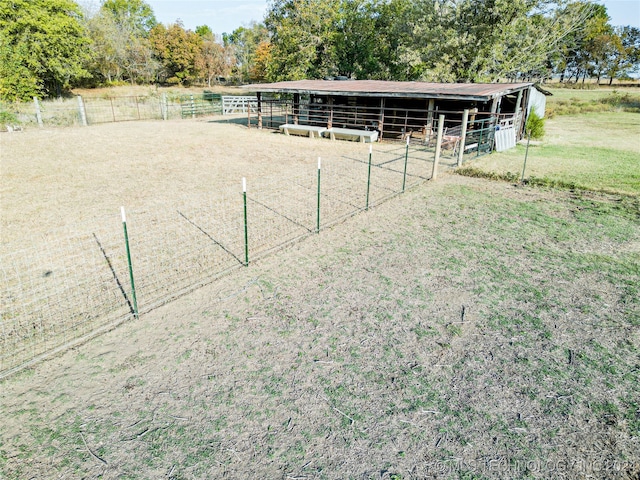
[
  {"x": 126, "y": 242},
  {"x": 246, "y": 229},
  {"x": 406, "y": 158},
  {"x": 369, "y": 177},
  {"x": 526, "y": 154},
  {"x": 318, "y": 216}
]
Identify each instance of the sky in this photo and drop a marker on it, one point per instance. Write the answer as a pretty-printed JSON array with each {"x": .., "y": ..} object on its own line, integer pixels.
[{"x": 224, "y": 16}]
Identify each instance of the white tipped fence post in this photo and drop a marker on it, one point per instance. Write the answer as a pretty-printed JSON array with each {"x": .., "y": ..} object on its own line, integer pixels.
[
  {"x": 82, "y": 111},
  {"x": 126, "y": 242},
  {"x": 436, "y": 160},
  {"x": 246, "y": 228},
  {"x": 406, "y": 159},
  {"x": 38, "y": 112},
  {"x": 463, "y": 136},
  {"x": 318, "y": 216}
]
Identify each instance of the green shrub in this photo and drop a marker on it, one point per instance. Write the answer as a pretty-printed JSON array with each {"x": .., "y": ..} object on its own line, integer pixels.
[
  {"x": 624, "y": 101},
  {"x": 535, "y": 125},
  {"x": 7, "y": 118}
]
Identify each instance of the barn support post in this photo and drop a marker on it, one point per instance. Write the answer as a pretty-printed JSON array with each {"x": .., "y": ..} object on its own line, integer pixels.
[
  {"x": 381, "y": 122},
  {"x": 38, "y": 112},
  {"x": 516, "y": 121},
  {"x": 82, "y": 111},
  {"x": 259, "y": 97},
  {"x": 463, "y": 136},
  {"x": 493, "y": 121},
  {"x": 494, "y": 106},
  {"x": 296, "y": 108},
  {"x": 330, "y": 121},
  {"x": 436, "y": 160},
  {"x": 429, "y": 126},
  {"x": 526, "y": 96}
]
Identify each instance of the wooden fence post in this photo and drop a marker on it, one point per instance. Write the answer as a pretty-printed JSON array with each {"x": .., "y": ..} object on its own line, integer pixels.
[
  {"x": 463, "y": 136},
  {"x": 38, "y": 112},
  {"x": 164, "y": 106},
  {"x": 82, "y": 111},
  {"x": 436, "y": 160}
]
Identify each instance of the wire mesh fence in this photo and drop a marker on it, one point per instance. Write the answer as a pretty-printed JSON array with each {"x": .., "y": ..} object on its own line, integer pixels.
[
  {"x": 67, "y": 287},
  {"x": 78, "y": 111}
]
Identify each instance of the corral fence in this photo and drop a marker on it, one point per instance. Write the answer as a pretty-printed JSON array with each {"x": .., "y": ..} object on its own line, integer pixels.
[
  {"x": 239, "y": 104},
  {"x": 79, "y": 111},
  {"x": 64, "y": 287},
  {"x": 393, "y": 124}
]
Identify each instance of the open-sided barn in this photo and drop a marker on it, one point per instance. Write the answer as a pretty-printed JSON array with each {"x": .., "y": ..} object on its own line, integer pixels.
[{"x": 396, "y": 109}]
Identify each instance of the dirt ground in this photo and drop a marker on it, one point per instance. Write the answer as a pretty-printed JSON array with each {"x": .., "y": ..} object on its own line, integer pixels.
[
  {"x": 56, "y": 177},
  {"x": 465, "y": 329}
]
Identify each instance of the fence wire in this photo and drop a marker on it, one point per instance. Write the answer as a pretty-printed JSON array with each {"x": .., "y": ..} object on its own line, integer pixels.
[
  {"x": 76, "y": 111},
  {"x": 67, "y": 287}
]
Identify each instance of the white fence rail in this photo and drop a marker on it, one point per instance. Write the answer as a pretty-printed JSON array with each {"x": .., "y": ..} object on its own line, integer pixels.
[{"x": 238, "y": 104}]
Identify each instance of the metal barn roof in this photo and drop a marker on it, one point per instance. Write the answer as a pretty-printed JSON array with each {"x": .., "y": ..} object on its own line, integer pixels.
[{"x": 380, "y": 88}]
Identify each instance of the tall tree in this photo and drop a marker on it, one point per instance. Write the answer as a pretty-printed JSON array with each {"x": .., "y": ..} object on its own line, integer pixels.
[
  {"x": 120, "y": 48},
  {"x": 214, "y": 59},
  {"x": 136, "y": 15},
  {"x": 179, "y": 51},
  {"x": 581, "y": 50},
  {"x": 303, "y": 34},
  {"x": 243, "y": 43},
  {"x": 262, "y": 58},
  {"x": 43, "y": 47},
  {"x": 624, "y": 58},
  {"x": 484, "y": 41}
]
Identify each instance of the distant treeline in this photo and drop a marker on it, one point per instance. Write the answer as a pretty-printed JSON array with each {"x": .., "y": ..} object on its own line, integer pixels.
[{"x": 49, "y": 46}]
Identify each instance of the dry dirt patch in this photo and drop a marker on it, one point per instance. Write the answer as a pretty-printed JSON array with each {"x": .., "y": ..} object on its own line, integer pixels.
[
  {"x": 57, "y": 177},
  {"x": 465, "y": 329}
]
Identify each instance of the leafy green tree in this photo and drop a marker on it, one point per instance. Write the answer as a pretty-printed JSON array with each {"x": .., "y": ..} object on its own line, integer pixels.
[
  {"x": 17, "y": 82},
  {"x": 135, "y": 15},
  {"x": 624, "y": 58},
  {"x": 262, "y": 58},
  {"x": 43, "y": 47},
  {"x": 584, "y": 49},
  {"x": 302, "y": 35},
  {"x": 368, "y": 35},
  {"x": 119, "y": 49},
  {"x": 437, "y": 40},
  {"x": 204, "y": 31},
  {"x": 214, "y": 59},
  {"x": 484, "y": 41},
  {"x": 178, "y": 51},
  {"x": 352, "y": 38},
  {"x": 243, "y": 44}
]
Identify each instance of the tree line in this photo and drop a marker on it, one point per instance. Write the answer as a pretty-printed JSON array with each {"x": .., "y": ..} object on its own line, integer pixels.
[{"x": 48, "y": 46}]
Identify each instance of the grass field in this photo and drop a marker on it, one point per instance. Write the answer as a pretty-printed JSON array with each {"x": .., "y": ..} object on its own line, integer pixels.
[
  {"x": 598, "y": 151},
  {"x": 466, "y": 329}
]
